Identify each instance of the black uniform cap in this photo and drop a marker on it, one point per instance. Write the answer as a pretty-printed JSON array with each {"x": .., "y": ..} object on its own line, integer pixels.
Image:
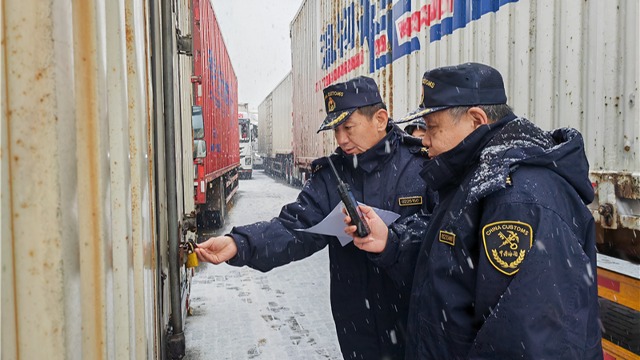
[
  {"x": 342, "y": 99},
  {"x": 467, "y": 84}
]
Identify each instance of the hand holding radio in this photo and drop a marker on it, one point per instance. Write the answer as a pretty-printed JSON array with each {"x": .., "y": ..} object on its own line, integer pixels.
[
  {"x": 376, "y": 241},
  {"x": 351, "y": 205}
]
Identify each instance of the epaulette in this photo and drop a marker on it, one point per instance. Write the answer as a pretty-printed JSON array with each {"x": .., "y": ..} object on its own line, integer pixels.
[
  {"x": 318, "y": 164},
  {"x": 322, "y": 162},
  {"x": 419, "y": 151}
]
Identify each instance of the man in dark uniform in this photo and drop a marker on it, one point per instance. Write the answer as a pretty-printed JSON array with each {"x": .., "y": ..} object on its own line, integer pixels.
[
  {"x": 507, "y": 267},
  {"x": 369, "y": 308}
]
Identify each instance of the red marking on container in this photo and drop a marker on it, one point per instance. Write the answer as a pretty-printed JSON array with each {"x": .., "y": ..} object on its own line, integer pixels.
[{"x": 608, "y": 283}]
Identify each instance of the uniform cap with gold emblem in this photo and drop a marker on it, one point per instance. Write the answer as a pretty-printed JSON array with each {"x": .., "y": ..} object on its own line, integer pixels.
[
  {"x": 342, "y": 99},
  {"x": 467, "y": 84}
]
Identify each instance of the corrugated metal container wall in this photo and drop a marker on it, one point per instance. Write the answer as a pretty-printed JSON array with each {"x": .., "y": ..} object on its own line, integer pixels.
[
  {"x": 565, "y": 63},
  {"x": 184, "y": 144},
  {"x": 265, "y": 126},
  {"x": 308, "y": 106},
  {"x": 321, "y": 56},
  {"x": 219, "y": 93},
  {"x": 578, "y": 68},
  {"x": 282, "y": 117},
  {"x": 184, "y": 139},
  {"x": 82, "y": 245},
  {"x": 159, "y": 183}
]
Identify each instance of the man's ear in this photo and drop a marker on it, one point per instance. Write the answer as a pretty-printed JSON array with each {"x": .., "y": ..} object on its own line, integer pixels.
[
  {"x": 478, "y": 116},
  {"x": 381, "y": 117}
]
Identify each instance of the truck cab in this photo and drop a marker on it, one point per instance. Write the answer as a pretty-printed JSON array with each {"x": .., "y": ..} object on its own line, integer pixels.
[{"x": 247, "y": 139}]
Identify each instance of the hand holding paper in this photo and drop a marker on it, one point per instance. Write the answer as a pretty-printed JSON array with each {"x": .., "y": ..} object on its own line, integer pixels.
[{"x": 333, "y": 224}]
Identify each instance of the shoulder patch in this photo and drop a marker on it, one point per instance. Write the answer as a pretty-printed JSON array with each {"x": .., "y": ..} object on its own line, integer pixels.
[{"x": 506, "y": 243}]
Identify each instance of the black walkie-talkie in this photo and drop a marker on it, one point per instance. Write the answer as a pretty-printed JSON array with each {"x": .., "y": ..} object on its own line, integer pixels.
[{"x": 351, "y": 204}]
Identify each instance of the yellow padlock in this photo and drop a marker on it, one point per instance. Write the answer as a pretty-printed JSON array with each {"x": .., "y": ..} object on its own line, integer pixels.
[{"x": 192, "y": 258}]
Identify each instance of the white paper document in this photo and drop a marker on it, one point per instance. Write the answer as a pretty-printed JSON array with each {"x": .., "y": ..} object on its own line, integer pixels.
[{"x": 334, "y": 224}]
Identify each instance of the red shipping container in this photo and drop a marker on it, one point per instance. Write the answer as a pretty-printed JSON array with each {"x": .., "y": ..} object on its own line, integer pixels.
[{"x": 216, "y": 92}]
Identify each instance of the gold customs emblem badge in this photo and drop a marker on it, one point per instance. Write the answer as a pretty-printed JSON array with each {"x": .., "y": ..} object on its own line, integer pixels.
[
  {"x": 331, "y": 105},
  {"x": 506, "y": 243}
]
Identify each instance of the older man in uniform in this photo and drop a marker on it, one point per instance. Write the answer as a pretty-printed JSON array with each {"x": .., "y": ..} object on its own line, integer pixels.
[
  {"x": 507, "y": 266},
  {"x": 369, "y": 308}
]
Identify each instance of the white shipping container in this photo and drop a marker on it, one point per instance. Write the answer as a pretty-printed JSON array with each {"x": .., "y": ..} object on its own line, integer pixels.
[
  {"x": 276, "y": 130},
  {"x": 265, "y": 126},
  {"x": 182, "y": 87},
  {"x": 569, "y": 63},
  {"x": 282, "y": 117},
  {"x": 321, "y": 56},
  {"x": 85, "y": 234},
  {"x": 308, "y": 105}
]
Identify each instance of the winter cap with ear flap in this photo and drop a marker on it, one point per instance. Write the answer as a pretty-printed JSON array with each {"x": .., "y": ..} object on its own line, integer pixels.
[
  {"x": 467, "y": 84},
  {"x": 342, "y": 99}
]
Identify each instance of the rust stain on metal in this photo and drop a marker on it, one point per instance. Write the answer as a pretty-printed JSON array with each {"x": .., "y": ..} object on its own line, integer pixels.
[
  {"x": 149, "y": 248},
  {"x": 40, "y": 74},
  {"x": 626, "y": 186},
  {"x": 129, "y": 30},
  {"x": 13, "y": 249},
  {"x": 85, "y": 17}
]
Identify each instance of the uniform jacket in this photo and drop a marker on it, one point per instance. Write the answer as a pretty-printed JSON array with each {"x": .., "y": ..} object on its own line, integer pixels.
[
  {"x": 507, "y": 268},
  {"x": 368, "y": 307}
]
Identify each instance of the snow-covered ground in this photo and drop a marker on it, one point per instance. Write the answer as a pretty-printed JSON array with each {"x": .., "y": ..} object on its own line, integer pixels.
[{"x": 240, "y": 313}]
